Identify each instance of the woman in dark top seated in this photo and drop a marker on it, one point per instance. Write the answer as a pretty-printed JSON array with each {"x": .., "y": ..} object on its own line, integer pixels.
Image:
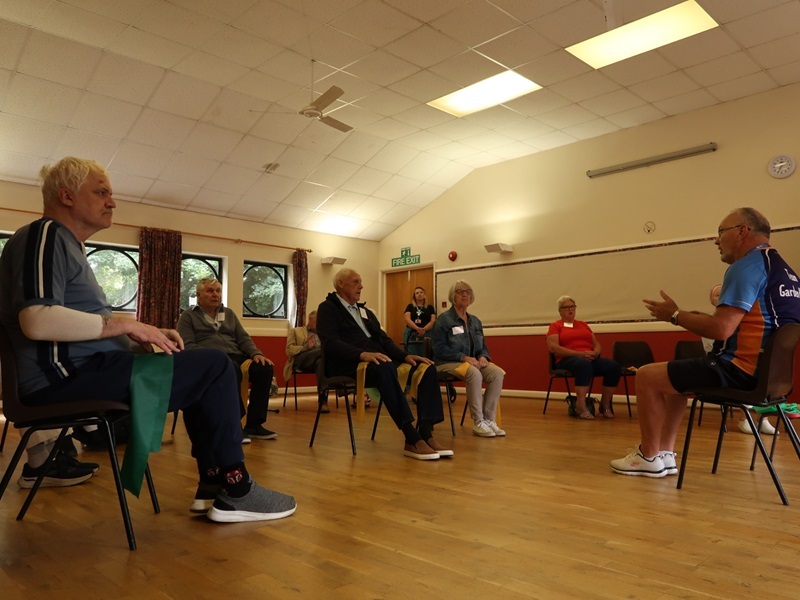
[
  {"x": 577, "y": 350},
  {"x": 419, "y": 317}
]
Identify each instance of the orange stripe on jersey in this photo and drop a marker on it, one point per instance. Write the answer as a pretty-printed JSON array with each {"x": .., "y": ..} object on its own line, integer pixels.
[{"x": 748, "y": 347}]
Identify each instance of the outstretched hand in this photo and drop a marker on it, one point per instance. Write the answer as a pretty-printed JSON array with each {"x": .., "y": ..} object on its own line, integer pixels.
[{"x": 661, "y": 310}]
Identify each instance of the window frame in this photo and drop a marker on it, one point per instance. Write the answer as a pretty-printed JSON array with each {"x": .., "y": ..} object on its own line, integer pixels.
[{"x": 283, "y": 273}]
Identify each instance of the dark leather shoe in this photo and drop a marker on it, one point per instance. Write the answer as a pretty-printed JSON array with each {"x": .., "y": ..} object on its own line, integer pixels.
[{"x": 324, "y": 408}]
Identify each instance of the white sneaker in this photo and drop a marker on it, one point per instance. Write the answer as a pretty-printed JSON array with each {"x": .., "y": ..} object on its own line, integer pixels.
[
  {"x": 638, "y": 465},
  {"x": 493, "y": 426},
  {"x": 670, "y": 464},
  {"x": 481, "y": 429},
  {"x": 766, "y": 427}
]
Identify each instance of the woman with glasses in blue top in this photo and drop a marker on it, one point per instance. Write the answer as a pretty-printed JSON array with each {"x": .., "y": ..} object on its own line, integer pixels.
[{"x": 458, "y": 339}]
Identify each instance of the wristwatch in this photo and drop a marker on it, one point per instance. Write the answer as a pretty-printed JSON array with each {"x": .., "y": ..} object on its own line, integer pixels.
[{"x": 674, "y": 318}]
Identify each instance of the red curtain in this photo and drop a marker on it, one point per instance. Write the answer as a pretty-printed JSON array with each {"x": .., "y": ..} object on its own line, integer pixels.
[
  {"x": 159, "y": 277},
  {"x": 300, "y": 266}
]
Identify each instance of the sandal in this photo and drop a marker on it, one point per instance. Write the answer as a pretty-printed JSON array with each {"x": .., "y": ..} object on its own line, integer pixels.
[
  {"x": 606, "y": 412},
  {"x": 586, "y": 415}
]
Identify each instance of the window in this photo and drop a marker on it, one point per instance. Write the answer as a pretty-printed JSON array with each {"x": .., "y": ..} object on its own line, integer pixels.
[
  {"x": 3, "y": 239},
  {"x": 193, "y": 269},
  {"x": 117, "y": 272},
  {"x": 264, "y": 290}
]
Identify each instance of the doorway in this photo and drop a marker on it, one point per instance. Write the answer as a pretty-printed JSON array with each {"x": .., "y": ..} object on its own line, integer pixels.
[{"x": 399, "y": 292}]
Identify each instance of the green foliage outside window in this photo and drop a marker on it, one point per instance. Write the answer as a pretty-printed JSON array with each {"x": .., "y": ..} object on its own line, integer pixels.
[{"x": 264, "y": 290}]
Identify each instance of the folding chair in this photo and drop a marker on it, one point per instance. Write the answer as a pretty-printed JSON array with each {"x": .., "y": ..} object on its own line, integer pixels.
[{"x": 631, "y": 356}]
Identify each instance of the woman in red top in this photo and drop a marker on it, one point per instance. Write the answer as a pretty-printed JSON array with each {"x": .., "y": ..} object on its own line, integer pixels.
[{"x": 577, "y": 350}]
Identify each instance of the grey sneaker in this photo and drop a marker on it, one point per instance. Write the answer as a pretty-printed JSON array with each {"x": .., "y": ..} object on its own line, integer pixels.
[
  {"x": 259, "y": 504},
  {"x": 668, "y": 458},
  {"x": 636, "y": 464}
]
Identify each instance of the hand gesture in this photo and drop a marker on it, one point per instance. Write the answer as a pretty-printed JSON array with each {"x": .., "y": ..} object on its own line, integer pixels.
[{"x": 661, "y": 310}]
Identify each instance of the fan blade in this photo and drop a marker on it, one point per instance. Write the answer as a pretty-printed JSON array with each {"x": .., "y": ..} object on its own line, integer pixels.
[
  {"x": 327, "y": 98},
  {"x": 335, "y": 124}
]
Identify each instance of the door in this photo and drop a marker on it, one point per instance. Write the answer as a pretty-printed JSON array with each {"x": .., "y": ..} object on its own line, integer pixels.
[{"x": 399, "y": 293}]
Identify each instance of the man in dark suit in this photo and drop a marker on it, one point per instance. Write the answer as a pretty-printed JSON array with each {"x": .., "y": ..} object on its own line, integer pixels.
[{"x": 351, "y": 334}]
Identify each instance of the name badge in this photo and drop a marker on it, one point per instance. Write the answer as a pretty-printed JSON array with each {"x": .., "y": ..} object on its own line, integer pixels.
[
  {"x": 457, "y": 329},
  {"x": 570, "y": 325},
  {"x": 362, "y": 312}
]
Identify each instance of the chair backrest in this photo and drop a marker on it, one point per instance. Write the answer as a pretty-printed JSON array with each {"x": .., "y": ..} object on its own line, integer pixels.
[
  {"x": 8, "y": 365},
  {"x": 689, "y": 349},
  {"x": 776, "y": 365},
  {"x": 632, "y": 354}
]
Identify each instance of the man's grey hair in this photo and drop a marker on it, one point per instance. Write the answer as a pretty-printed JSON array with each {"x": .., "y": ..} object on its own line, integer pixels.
[
  {"x": 341, "y": 275},
  {"x": 313, "y": 313},
  {"x": 68, "y": 173},
  {"x": 451, "y": 295},
  {"x": 205, "y": 282},
  {"x": 754, "y": 220}
]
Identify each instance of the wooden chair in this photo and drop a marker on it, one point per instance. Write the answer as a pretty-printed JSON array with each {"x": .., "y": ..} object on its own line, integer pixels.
[
  {"x": 557, "y": 373},
  {"x": 631, "y": 356},
  {"x": 775, "y": 381},
  {"x": 62, "y": 416}
]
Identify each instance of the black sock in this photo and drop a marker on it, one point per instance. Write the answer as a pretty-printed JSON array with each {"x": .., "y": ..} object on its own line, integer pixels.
[
  {"x": 236, "y": 480},
  {"x": 210, "y": 476},
  {"x": 412, "y": 435},
  {"x": 425, "y": 430}
]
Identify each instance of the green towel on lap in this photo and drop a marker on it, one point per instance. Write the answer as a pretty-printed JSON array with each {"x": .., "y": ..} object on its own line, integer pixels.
[{"x": 151, "y": 384}]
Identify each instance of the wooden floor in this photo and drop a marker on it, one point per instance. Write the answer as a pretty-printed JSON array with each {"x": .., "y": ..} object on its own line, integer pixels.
[{"x": 535, "y": 515}]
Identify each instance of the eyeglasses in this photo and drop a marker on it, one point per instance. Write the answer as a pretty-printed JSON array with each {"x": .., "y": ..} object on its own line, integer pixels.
[
  {"x": 464, "y": 292},
  {"x": 722, "y": 230},
  {"x": 570, "y": 307}
]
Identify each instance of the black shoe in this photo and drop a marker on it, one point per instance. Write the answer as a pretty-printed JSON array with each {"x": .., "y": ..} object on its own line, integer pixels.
[
  {"x": 62, "y": 472},
  {"x": 204, "y": 497},
  {"x": 92, "y": 440},
  {"x": 257, "y": 432},
  {"x": 323, "y": 408}
]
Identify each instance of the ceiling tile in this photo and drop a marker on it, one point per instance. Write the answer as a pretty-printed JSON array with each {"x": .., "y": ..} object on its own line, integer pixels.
[
  {"x": 591, "y": 129},
  {"x": 665, "y": 86},
  {"x": 176, "y": 23},
  {"x": 611, "y": 103},
  {"x": 184, "y": 96},
  {"x": 399, "y": 214},
  {"x": 517, "y": 47},
  {"x": 299, "y": 163},
  {"x": 366, "y": 180},
  {"x": 549, "y": 141},
  {"x": 466, "y": 68},
  {"x": 232, "y": 179},
  {"x": 240, "y": 47},
  {"x": 18, "y": 167},
  {"x": 282, "y": 127},
  {"x": 722, "y": 69},
  {"x": 359, "y": 147},
  {"x": 389, "y": 129},
  {"x": 235, "y": 111},
  {"x": 424, "y": 195},
  {"x": 39, "y": 99},
  {"x": 158, "y": 128},
  {"x": 189, "y": 170},
  {"x": 82, "y": 143},
  {"x": 636, "y": 116},
  {"x": 397, "y": 188},
  {"x": 214, "y": 201},
  {"x": 423, "y": 140},
  {"x": 475, "y": 22},
  {"x": 423, "y": 86},
  {"x": 767, "y": 25},
  {"x": 375, "y": 23},
  {"x": 449, "y": 175},
  {"x": 744, "y": 86},
  {"x": 424, "y": 47},
  {"x": 392, "y": 157},
  {"x": 253, "y": 209},
  {"x": 697, "y": 49},
  {"x": 382, "y": 68},
  {"x": 425, "y": 10},
  {"x": 585, "y": 86},
  {"x": 332, "y": 47},
  {"x": 104, "y": 115},
  {"x": 377, "y": 231},
  {"x": 487, "y": 141},
  {"x": 128, "y": 186},
  {"x": 140, "y": 159},
  {"x": 287, "y": 215},
  {"x": 125, "y": 78},
  {"x": 526, "y": 11},
  {"x": 271, "y": 188},
  {"x": 210, "y": 141},
  {"x": 514, "y": 150},
  {"x": 208, "y": 67},
  {"x": 573, "y": 23},
  {"x": 343, "y": 203},
  {"x": 149, "y": 48},
  {"x": 170, "y": 195},
  {"x": 12, "y": 40},
  {"x": 552, "y": 68},
  {"x": 123, "y": 11},
  {"x": 386, "y": 102},
  {"x": 69, "y": 22},
  {"x": 776, "y": 53},
  {"x": 638, "y": 68},
  {"x": 23, "y": 12},
  {"x": 422, "y": 167},
  {"x": 276, "y": 23},
  {"x": 261, "y": 85},
  {"x": 453, "y": 150},
  {"x": 332, "y": 172},
  {"x": 27, "y": 136},
  {"x": 253, "y": 152},
  {"x": 373, "y": 209},
  {"x": 56, "y": 59},
  {"x": 526, "y": 129},
  {"x": 686, "y": 102},
  {"x": 786, "y": 74}
]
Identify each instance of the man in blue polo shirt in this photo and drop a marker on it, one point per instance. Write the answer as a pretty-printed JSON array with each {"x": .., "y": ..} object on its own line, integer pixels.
[{"x": 760, "y": 293}]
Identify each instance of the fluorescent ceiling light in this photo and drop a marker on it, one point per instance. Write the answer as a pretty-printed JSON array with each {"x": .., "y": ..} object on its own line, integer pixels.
[
  {"x": 670, "y": 25},
  {"x": 485, "y": 94}
]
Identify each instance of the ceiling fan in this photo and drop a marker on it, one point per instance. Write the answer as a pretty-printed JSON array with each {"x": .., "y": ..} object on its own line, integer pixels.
[{"x": 315, "y": 108}]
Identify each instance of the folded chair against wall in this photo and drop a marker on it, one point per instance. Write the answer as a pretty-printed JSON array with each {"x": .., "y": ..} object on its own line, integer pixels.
[
  {"x": 62, "y": 416},
  {"x": 775, "y": 381},
  {"x": 558, "y": 373},
  {"x": 631, "y": 356}
]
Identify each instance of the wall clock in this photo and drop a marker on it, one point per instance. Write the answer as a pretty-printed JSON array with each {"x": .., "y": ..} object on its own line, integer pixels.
[{"x": 781, "y": 166}]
